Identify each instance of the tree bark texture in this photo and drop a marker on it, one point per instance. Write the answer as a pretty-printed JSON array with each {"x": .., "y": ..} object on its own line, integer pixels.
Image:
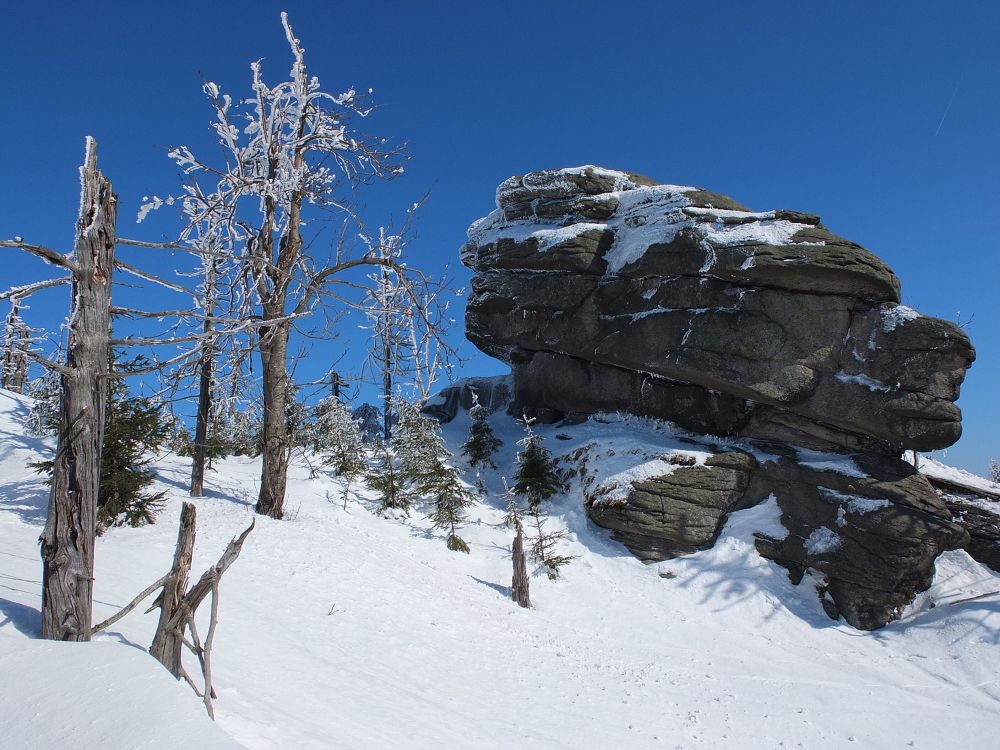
[
  {"x": 519, "y": 584},
  {"x": 277, "y": 435},
  {"x": 67, "y": 542},
  {"x": 167, "y": 643},
  {"x": 199, "y": 449}
]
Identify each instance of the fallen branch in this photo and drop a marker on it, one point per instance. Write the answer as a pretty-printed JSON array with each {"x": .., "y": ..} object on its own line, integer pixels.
[{"x": 128, "y": 608}]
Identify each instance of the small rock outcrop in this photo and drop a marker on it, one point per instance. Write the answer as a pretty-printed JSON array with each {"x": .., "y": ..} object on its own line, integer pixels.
[{"x": 606, "y": 291}]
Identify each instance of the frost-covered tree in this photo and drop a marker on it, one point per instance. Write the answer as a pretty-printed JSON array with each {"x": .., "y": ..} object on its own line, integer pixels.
[
  {"x": 46, "y": 390},
  {"x": 427, "y": 472},
  {"x": 369, "y": 421},
  {"x": 482, "y": 443},
  {"x": 338, "y": 438},
  {"x": 994, "y": 471},
  {"x": 537, "y": 477},
  {"x": 291, "y": 150},
  {"x": 415, "y": 440},
  {"x": 384, "y": 478}
]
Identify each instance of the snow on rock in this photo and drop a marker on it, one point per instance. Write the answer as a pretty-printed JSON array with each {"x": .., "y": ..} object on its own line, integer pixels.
[
  {"x": 895, "y": 315},
  {"x": 835, "y": 462},
  {"x": 822, "y": 541}
]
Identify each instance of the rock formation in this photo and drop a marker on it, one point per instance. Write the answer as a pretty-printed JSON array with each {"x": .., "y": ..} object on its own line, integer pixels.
[{"x": 605, "y": 291}]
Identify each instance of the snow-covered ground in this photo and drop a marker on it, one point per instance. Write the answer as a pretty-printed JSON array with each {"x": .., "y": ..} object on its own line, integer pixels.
[{"x": 341, "y": 629}]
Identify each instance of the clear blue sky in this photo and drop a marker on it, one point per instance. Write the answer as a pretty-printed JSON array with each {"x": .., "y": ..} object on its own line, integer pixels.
[{"x": 883, "y": 117}]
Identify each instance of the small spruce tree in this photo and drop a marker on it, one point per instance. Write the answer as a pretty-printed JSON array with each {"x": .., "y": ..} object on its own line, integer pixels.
[
  {"x": 133, "y": 430},
  {"x": 544, "y": 543},
  {"x": 383, "y": 477},
  {"x": 426, "y": 471},
  {"x": 414, "y": 441},
  {"x": 536, "y": 478},
  {"x": 451, "y": 497},
  {"x": 370, "y": 421},
  {"x": 337, "y": 436},
  {"x": 994, "y": 471},
  {"x": 482, "y": 443}
]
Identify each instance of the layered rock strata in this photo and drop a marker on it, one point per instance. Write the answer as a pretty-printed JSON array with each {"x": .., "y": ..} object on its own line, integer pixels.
[{"x": 605, "y": 290}]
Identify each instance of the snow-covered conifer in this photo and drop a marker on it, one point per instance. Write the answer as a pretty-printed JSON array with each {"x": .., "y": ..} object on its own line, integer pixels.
[
  {"x": 383, "y": 477},
  {"x": 994, "y": 471},
  {"x": 536, "y": 477},
  {"x": 482, "y": 443},
  {"x": 425, "y": 468},
  {"x": 338, "y": 437},
  {"x": 415, "y": 440},
  {"x": 450, "y": 497},
  {"x": 369, "y": 421}
]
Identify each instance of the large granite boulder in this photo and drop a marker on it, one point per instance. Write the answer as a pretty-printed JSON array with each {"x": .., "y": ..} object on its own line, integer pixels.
[
  {"x": 702, "y": 312},
  {"x": 606, "y": 291}
]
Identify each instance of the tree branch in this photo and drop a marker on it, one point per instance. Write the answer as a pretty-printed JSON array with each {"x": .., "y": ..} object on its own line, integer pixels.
[
  {"x": 128, "y": 608},
  {"x": 46, "y": 254}
]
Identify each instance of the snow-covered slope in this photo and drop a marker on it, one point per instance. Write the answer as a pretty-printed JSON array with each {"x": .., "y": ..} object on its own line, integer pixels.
[{"x": 342, "y": 629}]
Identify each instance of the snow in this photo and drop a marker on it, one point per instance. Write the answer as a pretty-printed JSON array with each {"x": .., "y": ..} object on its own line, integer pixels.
[
  {"x": 856, "y": 503},
  {"x": 821, "y": 540},
  {"x": 934, "y": 468},
  {"x": 340, "y": 629},
  {"x": 645, "y": 216},
  {"x": 897, "y": 315},
  {"x": 863, "y": 380},
  {"x": 835, "y": 462}
]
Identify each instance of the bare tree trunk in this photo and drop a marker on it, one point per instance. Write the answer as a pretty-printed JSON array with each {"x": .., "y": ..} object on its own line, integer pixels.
[
  {"x": 67, "y": 542},
  {"x": 519, "y": 584},
  {"x": 277, "y": 437},
  {"x": 199, "y": 449},
  {"x": 166, "y": 647},
  {"x": 387, "y": 395},
  {"x": 15, "y": 361}
]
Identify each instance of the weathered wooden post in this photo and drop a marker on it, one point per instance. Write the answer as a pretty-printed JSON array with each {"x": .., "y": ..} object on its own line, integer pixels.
[{"x": 67, "y": 542}]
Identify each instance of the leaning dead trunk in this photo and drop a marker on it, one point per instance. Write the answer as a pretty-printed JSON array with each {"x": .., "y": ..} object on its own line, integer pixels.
[
  {"x": 519, "y": 584},
  {"x": 277, "y": 438},
  {"x": 67, "y": 542},
  {"x": 167, "y": 642}
]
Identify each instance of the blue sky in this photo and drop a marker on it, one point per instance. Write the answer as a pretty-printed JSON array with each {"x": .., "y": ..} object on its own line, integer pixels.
[{"x": 881, "y": 117}]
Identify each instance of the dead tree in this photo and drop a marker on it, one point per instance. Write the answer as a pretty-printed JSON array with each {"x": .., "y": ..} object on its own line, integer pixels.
[
  {"x": 178, "y": 606},
  {"x": 519, "y": 583},
  {"x": 67, "y": 542},
  {"x": 167, "y": 642}
]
